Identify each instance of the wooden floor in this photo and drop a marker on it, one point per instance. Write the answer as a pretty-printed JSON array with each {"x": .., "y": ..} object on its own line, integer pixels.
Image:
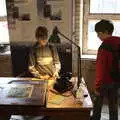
[{"x": 105, "y": 113}]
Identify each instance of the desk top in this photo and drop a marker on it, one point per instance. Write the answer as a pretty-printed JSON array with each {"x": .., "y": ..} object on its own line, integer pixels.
[
  {"x": 69, "y": 101},
  {"x": 63, "y": 102}
]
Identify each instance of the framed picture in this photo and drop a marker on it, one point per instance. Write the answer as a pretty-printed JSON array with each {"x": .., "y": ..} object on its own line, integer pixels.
[
  {"x": 56, "y": 13},
  {"x": 56, "y": 9},
  {"x": 40, "y": 7}
]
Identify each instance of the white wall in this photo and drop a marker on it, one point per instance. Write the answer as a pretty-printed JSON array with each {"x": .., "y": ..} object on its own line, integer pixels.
[{"x": 24, "y": 30}]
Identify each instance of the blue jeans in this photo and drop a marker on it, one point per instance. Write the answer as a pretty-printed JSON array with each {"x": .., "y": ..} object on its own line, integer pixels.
[{"x": 110, "y": 91}]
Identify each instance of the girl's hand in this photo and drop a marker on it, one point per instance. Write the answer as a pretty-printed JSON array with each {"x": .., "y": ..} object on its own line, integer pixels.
[
  {"x": 45, "y": 77},
  {"x": 56, "y": 75}
]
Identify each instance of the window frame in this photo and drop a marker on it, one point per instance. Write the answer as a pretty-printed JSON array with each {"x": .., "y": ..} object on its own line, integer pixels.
[
  {"x": 4, "y": 19},
  {"x": 92, "y": 16}
]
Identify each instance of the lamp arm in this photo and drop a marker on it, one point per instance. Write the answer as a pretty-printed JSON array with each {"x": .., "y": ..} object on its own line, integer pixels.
[
  {"x": 68, "y": 39},
  {"x": 79, "y": 58}
]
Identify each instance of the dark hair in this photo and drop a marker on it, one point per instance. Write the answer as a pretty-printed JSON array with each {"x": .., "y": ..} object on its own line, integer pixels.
[
  {"x": 103, "y": 26},
  {"x": 41, "y": 32}
]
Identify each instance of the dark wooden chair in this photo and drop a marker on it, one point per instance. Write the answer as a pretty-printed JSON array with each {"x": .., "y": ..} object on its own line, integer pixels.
[{"x": 20, "y": 57}]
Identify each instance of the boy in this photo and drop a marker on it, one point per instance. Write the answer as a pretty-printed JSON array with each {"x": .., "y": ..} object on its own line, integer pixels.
[
  {"x": 43, "y": 61},
  {"x": 105, "y": 85}
]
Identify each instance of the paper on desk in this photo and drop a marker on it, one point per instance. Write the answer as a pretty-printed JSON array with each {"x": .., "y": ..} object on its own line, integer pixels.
[
  {"x": 20, "y": 91},
  {"x": 36, "y": 79},
  {"x": 56, "y": 99}
]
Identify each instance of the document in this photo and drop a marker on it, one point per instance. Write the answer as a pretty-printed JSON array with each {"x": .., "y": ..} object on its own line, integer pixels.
[{"x": 20, "y": 91}]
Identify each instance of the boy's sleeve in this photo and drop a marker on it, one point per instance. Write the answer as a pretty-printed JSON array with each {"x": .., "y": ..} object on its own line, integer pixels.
[
  {"x": 102, "y": 68},
  {"x": 100, "y": 71}
]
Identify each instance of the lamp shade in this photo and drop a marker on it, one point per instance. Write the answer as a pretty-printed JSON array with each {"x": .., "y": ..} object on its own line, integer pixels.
[{"x": 54, "y": 38}]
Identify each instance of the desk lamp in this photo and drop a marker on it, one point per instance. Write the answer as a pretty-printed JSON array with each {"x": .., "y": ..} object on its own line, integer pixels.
[{"x": 55, "y": 37}]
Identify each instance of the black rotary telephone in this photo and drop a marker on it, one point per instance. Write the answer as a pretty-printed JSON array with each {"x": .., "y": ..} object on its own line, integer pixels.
[{"x": 63, "y": 83}]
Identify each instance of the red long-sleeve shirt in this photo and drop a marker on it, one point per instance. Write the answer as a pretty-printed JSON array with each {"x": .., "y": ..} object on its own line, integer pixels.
[{"x": 104, "y": 63}]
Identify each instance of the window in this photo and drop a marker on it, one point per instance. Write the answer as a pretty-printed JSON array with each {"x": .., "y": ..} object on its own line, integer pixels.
[
  {"x": 93, "y": 11},
  {"x": 4, "y": 34}
]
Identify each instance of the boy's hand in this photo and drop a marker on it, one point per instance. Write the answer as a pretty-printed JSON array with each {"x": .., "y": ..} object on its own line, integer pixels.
[{"x": 97, "y": 93}]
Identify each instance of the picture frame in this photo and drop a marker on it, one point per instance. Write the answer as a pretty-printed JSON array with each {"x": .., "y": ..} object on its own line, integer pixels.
[
  {"x": 56, "y": 13},
  {"x": 57, "y": 10}
]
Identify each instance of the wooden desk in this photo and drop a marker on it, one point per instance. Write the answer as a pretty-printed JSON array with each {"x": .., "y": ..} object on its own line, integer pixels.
[{"x": 67, "y": 109}]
